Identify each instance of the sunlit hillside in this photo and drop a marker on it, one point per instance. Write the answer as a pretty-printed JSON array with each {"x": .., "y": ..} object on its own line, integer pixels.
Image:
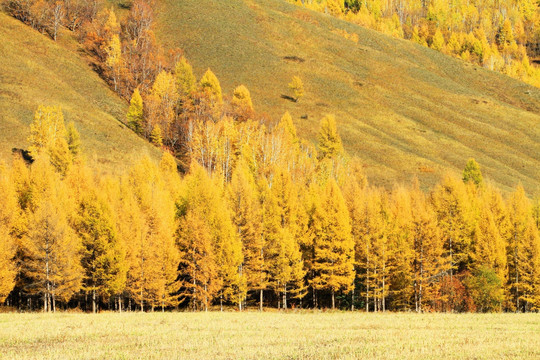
[
  {"x": 36, "y": 71},
  {"x": 404, "y": 109}
]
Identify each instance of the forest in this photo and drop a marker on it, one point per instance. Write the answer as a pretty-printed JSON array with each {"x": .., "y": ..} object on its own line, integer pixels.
[
  {"x": 241, "y": 211},
  {"x": 500, "y": 35}
]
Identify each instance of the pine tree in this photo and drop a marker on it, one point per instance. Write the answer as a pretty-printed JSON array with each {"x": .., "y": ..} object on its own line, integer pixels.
[
  {"x": 246, "y": 216},
  {"x": 156, "y": 256},
  {"x": 456, "y": 221},
  {"x": 428, "y": 249},
  {"x": 333, "y": 262},
  {"x": 285, "y": 263},
  {"x": 102, "y": 260},
  {"x": 523, "y": 253},
  {"x": 286, "y": 125},
  {"x": 52, "y": 260},
  {"x": 198, "y": 267},
  {"x": 241, "y": 103},
  {"x": 472, "y": 173},
  {"x": 46, "y": 129},
  {"x": 205, "y": 196},
  {"x": 8, "y": 211},
  {"x": 135, "y": 115},
  {"x": 73, "y": 140},
  {"x": 330, "y": 144},
  {"x": 210, "y": 85},
  {"x": 401, "y": 247},
  {"x": 438, "y": 41},
  {"x": 297, "y": 87},
  {"x": 489, "y": 245},
  {"x": 185, "y": 80},
  {"x": 155, "y": 136}
]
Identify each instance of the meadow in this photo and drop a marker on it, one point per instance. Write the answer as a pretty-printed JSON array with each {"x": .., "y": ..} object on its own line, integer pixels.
[{"x": 269, "y": 335}]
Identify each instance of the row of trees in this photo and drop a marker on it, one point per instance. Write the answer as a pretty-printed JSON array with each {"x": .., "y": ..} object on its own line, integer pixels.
[
  {"x": 261, "y": 218},
  {"x": 499, "y": 35}
]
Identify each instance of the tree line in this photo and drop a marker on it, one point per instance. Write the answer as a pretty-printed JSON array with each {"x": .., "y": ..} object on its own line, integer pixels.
[
  {"x": 502, "y": 35},
  {"x": 259, "y": 218}
]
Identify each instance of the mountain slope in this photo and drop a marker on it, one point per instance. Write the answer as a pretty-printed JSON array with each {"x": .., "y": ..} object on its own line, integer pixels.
[
  {"x": 404, "y": 109},
  {"x": 34, "y": 70}
]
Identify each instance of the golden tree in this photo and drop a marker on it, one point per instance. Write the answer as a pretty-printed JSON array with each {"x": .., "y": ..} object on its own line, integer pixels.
[
  {"x": 135, "y": 114},
  {"x": 8, "y": 211},
  {"x": 198, "y": 267},
  {"x": 297, "y": 87},
  {"x": 333, "y": 262}
]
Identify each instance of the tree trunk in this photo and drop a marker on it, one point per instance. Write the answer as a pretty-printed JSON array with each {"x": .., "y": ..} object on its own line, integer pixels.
[
  {"x": 285, "y": 297},
  {"x": 94, "y": 301},
  {"x": 333, "y": 300},
  {"x": 261, "y": 300}
]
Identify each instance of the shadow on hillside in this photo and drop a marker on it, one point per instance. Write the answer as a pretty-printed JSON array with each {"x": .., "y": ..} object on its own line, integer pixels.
[{"x": 287, "y": 97}]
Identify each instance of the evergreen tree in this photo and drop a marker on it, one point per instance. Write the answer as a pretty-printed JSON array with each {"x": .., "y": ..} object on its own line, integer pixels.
[
  {"x": 472, "y": 173},
  {"x": 241, "y": 102},
  {"x": 297, "y": 87},
  {"x": 73, "y": 140},
  {"x": 102, "y": 260},
  {"x": 185, "y": 80},
  {"x": 428, "y": 250},
  {"x": 210, "y": 85},
  {"x": 330, "y": 144},
  {"x": 8, "y": 211},
  {"x": 135, "y": 115},
  {"x": 198, "y": 267},
  {"x": 333, "y": 262},
  {"x": 52, "y": 260},
  {"x": 246, "y": 216}
]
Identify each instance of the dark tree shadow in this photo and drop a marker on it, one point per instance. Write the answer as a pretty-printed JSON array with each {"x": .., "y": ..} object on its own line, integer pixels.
[{"x": 287, "y": 97}]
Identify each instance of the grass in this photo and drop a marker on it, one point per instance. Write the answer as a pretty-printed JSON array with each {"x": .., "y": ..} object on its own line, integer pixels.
[
  {"x": 35, "y": 70},
  {"x": 252, "y": 335},
  {"x": 404, "y": 109}
]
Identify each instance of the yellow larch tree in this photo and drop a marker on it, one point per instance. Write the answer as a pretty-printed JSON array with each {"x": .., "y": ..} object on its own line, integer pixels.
[
  {"x": 161, "y": 105},
  {"x": 8, "y": 211},
  {"x": 198, "y": 267},
  {"x": 186, "y": 84},
  {"x": 285, "y": 264},
  {"x": 428, "y": 250},
  {"x": 156, "y": 254},
  {"x": 135, "y": 114},
  {"x": 401, "y": 245},
  {"x": 523, "y": 253},
  {"x": 246, "y": 216},
  {"x": 205, "y": 196},
  {"x": 50, "y": 248},
  {"x": 333, "y": 261}
]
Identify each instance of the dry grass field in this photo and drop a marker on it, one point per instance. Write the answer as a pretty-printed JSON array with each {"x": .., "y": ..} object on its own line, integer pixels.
[{"x": 252, "y": 335}]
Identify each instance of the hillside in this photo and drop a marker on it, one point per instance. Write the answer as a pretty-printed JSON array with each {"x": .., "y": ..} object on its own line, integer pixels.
[
  {"x": 404, "y": 109},
  {"x": 34, "y": 70}
]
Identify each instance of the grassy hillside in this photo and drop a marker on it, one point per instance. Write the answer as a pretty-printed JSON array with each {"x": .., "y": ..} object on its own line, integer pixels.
[
  {"x": 34, "y": 70},
  {"x": 404, "y": 109}
]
